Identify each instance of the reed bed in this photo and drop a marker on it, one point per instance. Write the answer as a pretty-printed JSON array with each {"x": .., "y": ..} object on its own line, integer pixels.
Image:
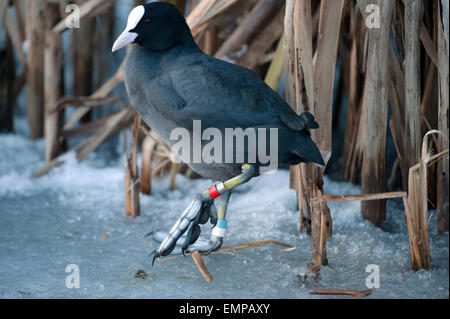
[{"x": 385, "y": 62}]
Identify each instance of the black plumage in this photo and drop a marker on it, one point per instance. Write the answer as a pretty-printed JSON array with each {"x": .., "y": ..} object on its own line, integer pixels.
[{"x": 171, "y": 82}]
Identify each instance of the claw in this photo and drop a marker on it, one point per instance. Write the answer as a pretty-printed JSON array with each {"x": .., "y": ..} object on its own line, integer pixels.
[
  {"x": 149, "y": 234},
  {"x": 215, "y": 245},
  {"x": 198, "y": 212},
  {"x": 154, "y": 257}
]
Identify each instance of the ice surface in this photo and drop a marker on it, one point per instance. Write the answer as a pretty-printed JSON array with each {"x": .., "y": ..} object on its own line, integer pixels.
[{"x": 62, "y": 218}]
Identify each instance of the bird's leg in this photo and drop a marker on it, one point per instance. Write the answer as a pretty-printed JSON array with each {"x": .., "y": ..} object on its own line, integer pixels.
[{"x": 200, "y": 211}]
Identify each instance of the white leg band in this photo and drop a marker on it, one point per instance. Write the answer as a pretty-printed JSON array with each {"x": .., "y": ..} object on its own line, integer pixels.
[
  {"x": 221, "y": 188},
  {"x": 219, "y": 232}
]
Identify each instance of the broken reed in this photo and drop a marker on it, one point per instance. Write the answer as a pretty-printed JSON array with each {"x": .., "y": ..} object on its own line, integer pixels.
[
  {"x": 417, "y": 89},
  {"x": 416, "y": 205},
  {"x": 303, "y": 38},
  {"x": 309, "y": 86}
]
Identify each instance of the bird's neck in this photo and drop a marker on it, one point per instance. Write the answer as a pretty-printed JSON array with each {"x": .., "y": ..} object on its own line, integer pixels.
[
  {"x": 158, "y": 61},
  {"x": 186, "y": 39}
]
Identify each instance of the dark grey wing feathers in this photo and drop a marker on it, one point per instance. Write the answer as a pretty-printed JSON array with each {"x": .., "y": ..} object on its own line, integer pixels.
[
  {"x": 247, "y": 92},
  {"x": 226, "y": 93},
  {"x": 163, "y": 97}
]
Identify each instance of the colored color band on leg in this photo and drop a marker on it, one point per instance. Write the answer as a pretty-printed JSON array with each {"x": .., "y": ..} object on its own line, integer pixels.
[
  {"x": 220, "y": 229},
  {"x": 222, "y": 223},
  {"x": 219, "y": 232},
  {"x": 213, "y": 192}
]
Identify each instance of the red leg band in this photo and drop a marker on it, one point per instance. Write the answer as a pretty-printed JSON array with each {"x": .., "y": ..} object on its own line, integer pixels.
[{"x": 213, "y": 192}]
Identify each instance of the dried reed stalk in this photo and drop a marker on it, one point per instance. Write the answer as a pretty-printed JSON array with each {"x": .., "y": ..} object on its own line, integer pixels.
[
  {"x": 253, "y": 244},
  {"x": 352, "y": 151},
  {"x": 416, "y": 206},
  {"x": 19, "y": 6},
  {"x": 147, "y": 149},
  {"x": 324, "y": 66},
  {"x": 206, "y": 12},
  {"x": 175, "y": 168},
  {"x": 397, "y": 123},
  {"x": 275, "y": 71},
  {"x": 114, "y": 125},
  {"x": 101, "y": 92},
  {"x": 86, "y": 129},
  {"x": 132, "y": 187},
  {"x": 16, "y": 33},
  {"x": 53, "y": 84},
  {"x": 309, "y": 87},
  {"x": 363, "y": 197},
  {"x": 299, "y": 84},
  {"x": 196, "y": 256},
  {"x": 88, "y": 102},
  {"x": 83, "y": 57},
  {"x": 131, "y": 191},
  {"x": 443, "y": 111},
  {"x": 210, "y": 41},
  {"x": 246, "y": 30},
  {"x": 375, "y": 107},
  {"x": 201, "y": 266},
  {"x": 412, "y": 82},
  {"x": 258, "y": 48},
  {"x": 35, "y": 64}
]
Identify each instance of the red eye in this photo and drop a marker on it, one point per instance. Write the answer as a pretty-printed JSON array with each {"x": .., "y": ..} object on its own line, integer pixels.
[{"x": 147, "y": 21}]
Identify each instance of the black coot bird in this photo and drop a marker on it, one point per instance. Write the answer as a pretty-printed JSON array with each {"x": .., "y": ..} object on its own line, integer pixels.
[{"x": 171, "y": 83}]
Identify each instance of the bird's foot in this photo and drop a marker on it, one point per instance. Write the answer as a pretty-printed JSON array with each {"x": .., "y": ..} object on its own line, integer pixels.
[
  {"x": 212, "y": 246},
  {"x": 216, "y": 239},
  {"x": 198, "y": 212}
]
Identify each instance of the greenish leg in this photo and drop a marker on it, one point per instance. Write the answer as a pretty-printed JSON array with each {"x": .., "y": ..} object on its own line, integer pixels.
[{"x": 221, "y": 205}]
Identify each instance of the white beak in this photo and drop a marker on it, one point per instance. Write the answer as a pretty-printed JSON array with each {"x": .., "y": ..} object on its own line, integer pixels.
[
  {"x": 123, "y": 40},
  {"x": 127, "y": 37}
]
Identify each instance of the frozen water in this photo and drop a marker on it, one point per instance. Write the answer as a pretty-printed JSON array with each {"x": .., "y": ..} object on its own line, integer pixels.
[{"x": 62, "y": 218}]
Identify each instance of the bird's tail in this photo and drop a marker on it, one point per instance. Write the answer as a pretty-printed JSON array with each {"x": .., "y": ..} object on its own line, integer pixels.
[
  {"x": 307, "y": 150},
  {"x": 302, "y": 122},
  {"x": 307, "y": 121}
]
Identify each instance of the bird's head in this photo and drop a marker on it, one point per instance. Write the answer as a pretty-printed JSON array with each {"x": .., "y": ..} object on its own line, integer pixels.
[{"x": 155, "y": 26}]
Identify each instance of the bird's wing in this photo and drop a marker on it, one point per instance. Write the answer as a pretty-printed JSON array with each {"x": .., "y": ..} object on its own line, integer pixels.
[{"x": 222, "y": 94}]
